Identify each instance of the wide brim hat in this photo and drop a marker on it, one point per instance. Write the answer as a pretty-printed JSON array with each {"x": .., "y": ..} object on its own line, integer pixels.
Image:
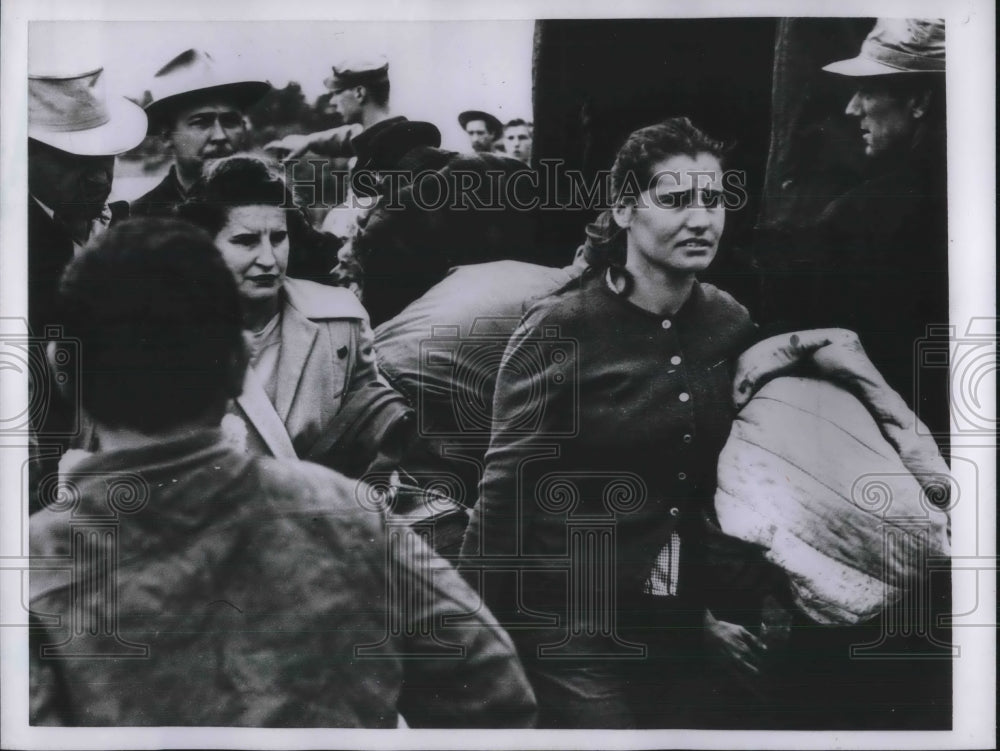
[
  {"x": 195, "y": 75},
  {"x": 493, "y": 125},
  {"x": 74, "y": 113},
  {"x": 897, "y": 45}
]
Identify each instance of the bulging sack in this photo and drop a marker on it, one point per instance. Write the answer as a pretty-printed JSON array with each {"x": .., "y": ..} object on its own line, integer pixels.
[{"x": 808, "y": 475}]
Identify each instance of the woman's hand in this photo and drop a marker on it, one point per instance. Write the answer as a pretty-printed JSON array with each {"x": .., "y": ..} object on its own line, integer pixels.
[
  {"x": 834, "y": 353},
  {"x": 738, "y": 647}
]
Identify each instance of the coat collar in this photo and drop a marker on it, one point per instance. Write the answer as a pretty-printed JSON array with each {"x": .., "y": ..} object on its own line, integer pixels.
[
  {"x": 298, "y": 336},
  {"x": 261, "y": 413}
]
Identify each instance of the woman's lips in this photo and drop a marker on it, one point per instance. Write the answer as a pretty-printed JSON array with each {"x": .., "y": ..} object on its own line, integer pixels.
[
  {"x": 264, "y": 280},
  {"x": 695, "y": 245}
]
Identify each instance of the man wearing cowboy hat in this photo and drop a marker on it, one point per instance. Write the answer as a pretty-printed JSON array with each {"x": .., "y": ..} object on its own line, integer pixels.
[
  {"x": 198, "y": 108},
  {"x": 482, "y": 129},
  {"x": 75, "y": 129}
]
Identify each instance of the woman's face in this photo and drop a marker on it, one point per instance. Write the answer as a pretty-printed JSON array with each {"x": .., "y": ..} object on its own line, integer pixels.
[
  {"x": 254, "y": 243},
  {"x": 676, "y": 224}
]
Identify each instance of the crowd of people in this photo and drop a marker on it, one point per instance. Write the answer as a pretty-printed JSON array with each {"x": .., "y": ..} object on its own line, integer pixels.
[{"x": 387, "y": 470}]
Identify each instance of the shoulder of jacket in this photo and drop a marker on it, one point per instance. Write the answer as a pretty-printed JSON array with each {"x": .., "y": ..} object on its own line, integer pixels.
[
  {"x": 319, "y": 302},
  {"x": 722, "y": 300}
]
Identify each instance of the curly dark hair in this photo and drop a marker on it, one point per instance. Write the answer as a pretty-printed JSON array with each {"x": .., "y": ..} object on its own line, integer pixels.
[{"x": 157, "y": 315}]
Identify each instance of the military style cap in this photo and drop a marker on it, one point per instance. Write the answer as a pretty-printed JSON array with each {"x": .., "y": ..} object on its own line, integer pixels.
[{"x": 358, "y": 72}]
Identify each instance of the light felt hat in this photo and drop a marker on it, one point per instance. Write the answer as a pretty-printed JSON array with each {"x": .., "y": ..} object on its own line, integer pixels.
[
  {"x": 75, "y": 114},
  {"x": 897, "y": 45},
  {"x": 196, "y": 71}
]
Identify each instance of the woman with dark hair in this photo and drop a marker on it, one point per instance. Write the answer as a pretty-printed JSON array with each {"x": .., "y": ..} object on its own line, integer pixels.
[
  {"x": 312, "y": 371},
  {"x": 612, "y": 405}
]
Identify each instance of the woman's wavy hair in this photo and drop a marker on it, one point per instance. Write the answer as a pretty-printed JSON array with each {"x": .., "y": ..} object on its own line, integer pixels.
[
  {"x": 252, "y": 180},
  {"x": 635, "y": 163}
]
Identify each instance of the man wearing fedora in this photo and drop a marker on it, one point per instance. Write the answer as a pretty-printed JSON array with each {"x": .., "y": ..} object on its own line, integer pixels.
[
  {"x": 199, "y": 109},
  {"x": 482, "y": 128},
  {"x": 75, "y": 129}
]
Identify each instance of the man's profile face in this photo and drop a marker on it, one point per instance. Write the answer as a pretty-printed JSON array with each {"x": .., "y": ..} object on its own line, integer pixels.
[
  {"x": 887, "y": 122},
  {"x": 72, "y": 185},
  {"x": 479, "y": 135},
  {"x": 205, "y": 131},
  {"x": 348, "y": 103}
]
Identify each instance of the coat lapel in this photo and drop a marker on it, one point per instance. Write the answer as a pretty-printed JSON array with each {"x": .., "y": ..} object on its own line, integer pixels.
[
  {"x": 260, "y": 412},
  {"x": 298, "y": 337}
]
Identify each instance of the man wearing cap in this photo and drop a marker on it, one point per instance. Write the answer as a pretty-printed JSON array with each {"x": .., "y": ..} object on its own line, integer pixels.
[
  {"x": 199, "y": 109},
  {"x": 876, "y": 260},
  {"x": 372, "y": 134},
  {"x": 482, "y": 129}
]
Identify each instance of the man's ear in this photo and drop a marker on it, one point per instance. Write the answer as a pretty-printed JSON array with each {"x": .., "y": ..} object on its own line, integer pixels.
[
  {"x": 361, "y": 94},
  {"x": 921, "y": 103},
  {"x": 622, "y": 214}
]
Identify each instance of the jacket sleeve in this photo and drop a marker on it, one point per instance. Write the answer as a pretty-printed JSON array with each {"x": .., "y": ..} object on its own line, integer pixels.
[
  {"x": 527, "y": 388},
  {"x": 374, "y": 423},
  {"x": 474, "y": 678}
]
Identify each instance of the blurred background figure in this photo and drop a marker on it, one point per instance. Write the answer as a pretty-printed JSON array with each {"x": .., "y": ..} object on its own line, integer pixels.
[
  {"x": 360, "y": 94},
  {"x": 198, "y": 109},
  {"x": 518, "y": 136},
  {"x": 483, "y": 129}
]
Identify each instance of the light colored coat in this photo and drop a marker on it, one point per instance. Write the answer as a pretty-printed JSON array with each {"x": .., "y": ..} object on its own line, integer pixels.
[{"x": 326, "y": 353}]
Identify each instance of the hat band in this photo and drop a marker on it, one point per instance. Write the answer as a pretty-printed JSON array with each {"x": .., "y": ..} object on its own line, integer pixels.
[
  {"x": 100, "y": 118},
  {"x": 902, "y": 61}
]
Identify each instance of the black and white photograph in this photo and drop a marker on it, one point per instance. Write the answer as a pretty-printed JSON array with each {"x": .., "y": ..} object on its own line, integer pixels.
[{"x": 374, "y": 375}]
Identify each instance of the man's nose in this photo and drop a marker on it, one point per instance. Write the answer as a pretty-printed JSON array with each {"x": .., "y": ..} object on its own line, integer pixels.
[
  {"x": 854, "y": 106},
  {"x": 217, "y": 133}
]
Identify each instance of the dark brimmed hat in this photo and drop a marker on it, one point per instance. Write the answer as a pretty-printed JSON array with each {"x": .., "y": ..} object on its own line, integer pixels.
[
  {"x": 897, "y": 45},
  {"x": 74, "y": 113},
  {"x": 493, "y": 125},
  {"x": 383, "y": 148},
  {"x": 195, "y": 72},
  {"x": 359, "y": 72}
]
